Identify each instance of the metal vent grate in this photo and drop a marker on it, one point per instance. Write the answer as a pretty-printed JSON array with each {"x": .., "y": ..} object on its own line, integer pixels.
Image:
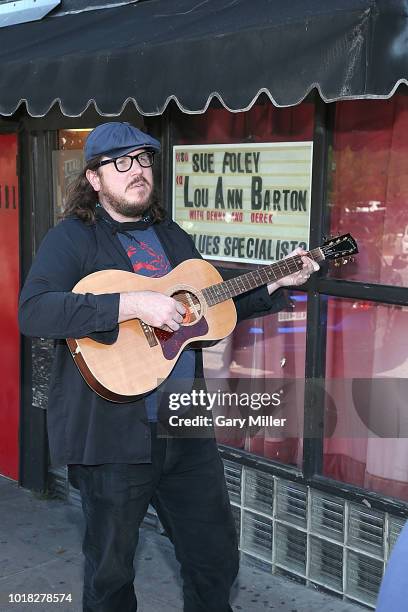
[
  {"x": 395, "y": 528},
  {"x": 74, "y": 496},
  {"x": 258, "y": 491},
  {"x": 291, "y": 548},
  {"x": 254, "y": 562},
  {"x": 311, "y": 536},
  {"x": 291, "y": 502},
  {"x": 42, "y": 354},
  {"x": 327, "y": 516},
  {"x": 58, "y": 483},
  {"x": 366, "y": 530},
  {"x": 326, "y": 563},
  {"x": 256, "y": 536},
  {"x": 236, "y": 513},
  {"x": 233, "y": 476},
  {"x": 364, "y": 576},
  {"x": 152, "y": 519}
]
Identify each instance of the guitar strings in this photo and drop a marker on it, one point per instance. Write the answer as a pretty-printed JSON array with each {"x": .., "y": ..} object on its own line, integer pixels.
[{"x": 240, "y": 284}]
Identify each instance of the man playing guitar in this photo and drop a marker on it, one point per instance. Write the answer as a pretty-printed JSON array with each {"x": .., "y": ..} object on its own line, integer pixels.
[{"x": 113, "y": 220}]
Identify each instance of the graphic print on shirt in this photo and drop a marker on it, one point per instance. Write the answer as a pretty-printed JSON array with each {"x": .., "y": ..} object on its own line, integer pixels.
[
  {"x": 145, "y": 258},
  {"x": 148, "y": 258}
]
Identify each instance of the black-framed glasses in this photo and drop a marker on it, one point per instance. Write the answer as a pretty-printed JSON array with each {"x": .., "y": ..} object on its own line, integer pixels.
[{"x": 124, "y": 163}]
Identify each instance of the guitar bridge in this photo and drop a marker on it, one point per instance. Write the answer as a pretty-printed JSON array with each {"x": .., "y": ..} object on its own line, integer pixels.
[{"x": 149, "y": 334}]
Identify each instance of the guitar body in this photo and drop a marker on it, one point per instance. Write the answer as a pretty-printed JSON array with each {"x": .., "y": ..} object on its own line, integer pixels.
[{"x": 142, "y": 356}]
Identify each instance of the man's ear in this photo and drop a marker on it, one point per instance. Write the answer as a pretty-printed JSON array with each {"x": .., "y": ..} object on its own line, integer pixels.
[{"x": 93, "y": 178}]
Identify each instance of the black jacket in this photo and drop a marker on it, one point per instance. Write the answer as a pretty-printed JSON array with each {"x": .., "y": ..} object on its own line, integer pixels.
[{"x": 83, "y": 427}]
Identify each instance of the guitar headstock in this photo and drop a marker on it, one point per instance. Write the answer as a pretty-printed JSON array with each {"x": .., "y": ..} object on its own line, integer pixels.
[{"x": 340, "y": 247}]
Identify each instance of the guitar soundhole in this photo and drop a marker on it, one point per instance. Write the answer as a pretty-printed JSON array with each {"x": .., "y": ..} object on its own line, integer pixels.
[{"x": 192, "y": 304}]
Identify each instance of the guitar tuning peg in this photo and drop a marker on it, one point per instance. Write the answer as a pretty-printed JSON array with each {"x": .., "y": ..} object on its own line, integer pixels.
[
  {"x": 345, "y": 261},
  {"x": 337, "y": 263}
]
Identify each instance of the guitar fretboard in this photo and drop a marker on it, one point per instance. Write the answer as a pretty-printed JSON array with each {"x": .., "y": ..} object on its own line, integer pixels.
[{"x": 268, "y": 274}]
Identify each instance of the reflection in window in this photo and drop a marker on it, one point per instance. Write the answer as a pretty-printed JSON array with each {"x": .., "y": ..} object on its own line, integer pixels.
[
  {"x": 67, "y": 163},
  {"x": 368, "y": 187},
  {"x": 271, "y": 347},
  {"x": 366, "y": 340}
]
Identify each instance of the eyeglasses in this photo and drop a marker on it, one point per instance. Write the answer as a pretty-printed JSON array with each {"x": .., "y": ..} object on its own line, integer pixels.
[{"x": 145, "y": 159}]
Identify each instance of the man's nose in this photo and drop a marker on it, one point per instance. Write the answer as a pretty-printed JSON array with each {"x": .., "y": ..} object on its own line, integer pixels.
[{"x": 136, "y": 168}]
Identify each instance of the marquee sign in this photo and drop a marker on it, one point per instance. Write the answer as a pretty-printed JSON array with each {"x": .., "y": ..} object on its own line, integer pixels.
[{"x": 244, "y": 202}]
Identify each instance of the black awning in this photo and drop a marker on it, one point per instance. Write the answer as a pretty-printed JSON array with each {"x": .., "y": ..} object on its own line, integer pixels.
[{"x": 192, "y": 50}]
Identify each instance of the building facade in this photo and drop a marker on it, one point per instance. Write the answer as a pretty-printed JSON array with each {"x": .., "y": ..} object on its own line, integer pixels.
[{"x": 324, "y": 500}]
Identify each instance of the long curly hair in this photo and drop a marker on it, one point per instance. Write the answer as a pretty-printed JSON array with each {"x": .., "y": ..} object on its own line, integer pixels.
[{"x": 82, "y": 198}]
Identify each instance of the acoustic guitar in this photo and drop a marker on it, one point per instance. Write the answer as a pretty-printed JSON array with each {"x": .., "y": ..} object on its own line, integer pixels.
[{"x": 142, "y": 356}]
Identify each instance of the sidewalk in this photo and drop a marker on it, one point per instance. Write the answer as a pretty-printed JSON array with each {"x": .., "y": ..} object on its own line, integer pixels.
[{"x": 40, "y": 544}]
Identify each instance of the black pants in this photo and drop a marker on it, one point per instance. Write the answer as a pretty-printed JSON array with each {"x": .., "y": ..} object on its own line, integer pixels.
[{"x": 185, "y": 483}]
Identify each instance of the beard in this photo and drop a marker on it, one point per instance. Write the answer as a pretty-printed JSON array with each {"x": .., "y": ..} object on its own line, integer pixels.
[{"x": 128, "y": 206}]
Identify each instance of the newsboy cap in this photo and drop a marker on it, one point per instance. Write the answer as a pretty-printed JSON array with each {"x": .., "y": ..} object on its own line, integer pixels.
[{"x": 115, "y": 138}]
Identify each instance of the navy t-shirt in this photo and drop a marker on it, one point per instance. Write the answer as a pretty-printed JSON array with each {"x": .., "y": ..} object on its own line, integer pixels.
[{"x": 148, "y": 258}]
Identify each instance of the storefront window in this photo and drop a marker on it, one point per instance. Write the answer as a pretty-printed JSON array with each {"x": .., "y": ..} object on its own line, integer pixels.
[
  {"x": 262, "y": 123},
  {"x": 271, "y": 347},
  {"x": 67, "y": 162},
  {"x": 368, "y": 188},
  {"x": 366, "y": 440}
]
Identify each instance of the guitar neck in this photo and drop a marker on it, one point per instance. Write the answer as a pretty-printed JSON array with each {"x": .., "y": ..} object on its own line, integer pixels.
[{"x": 261, "y": 276}]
